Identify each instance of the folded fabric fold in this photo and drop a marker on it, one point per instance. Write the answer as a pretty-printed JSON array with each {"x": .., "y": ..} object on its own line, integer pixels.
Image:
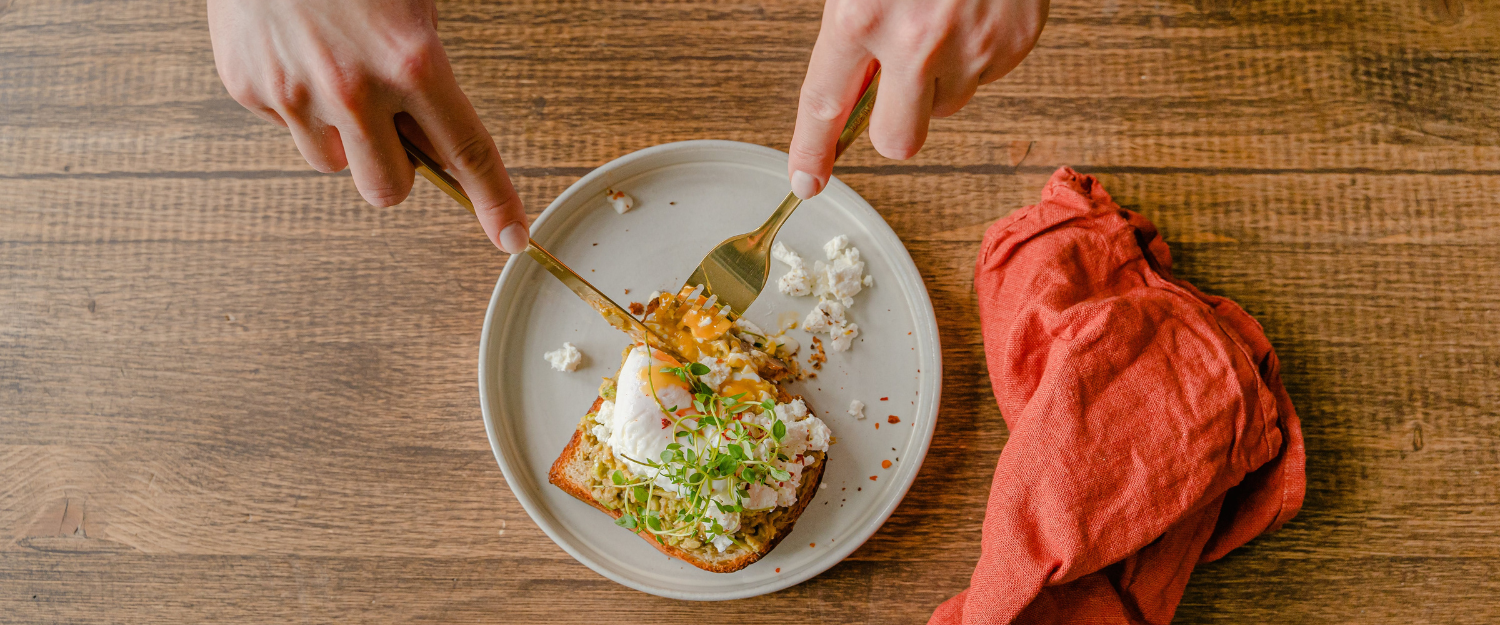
[{"x": 1149, "y": 430}]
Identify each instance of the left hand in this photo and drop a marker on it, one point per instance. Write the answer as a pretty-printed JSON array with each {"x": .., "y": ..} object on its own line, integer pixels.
[{"x": 933, "y": 55}]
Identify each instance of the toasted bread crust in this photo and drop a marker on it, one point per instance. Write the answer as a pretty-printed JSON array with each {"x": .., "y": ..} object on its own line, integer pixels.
[{"x": 558, "y": 476}]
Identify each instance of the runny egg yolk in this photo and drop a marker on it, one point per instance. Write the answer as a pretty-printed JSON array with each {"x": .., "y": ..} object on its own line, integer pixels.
[
  {"x": 685, "y": 344},
  {"x": 751, "y": 388},
  {"x": 705, "y": 326},
  {"x": 662, "y": 379}
]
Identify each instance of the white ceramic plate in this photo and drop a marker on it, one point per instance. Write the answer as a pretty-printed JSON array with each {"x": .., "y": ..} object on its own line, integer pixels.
[{"x": 689, "y": 196}]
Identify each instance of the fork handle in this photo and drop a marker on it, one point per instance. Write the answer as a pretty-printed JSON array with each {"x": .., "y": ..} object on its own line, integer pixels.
[{"x": 859, "y": 118}]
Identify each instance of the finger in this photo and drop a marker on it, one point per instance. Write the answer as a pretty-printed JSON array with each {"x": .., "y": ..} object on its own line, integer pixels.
[
  {"x": 319, "y": 143},
  {"x": 459, "y": 140},
  {"x": 376, "y": 159},
  {"x": 898, "y": 125},
  {"x": 835, "y": 74},
  {"x": 951, "y": 93},
  {"x": 268, "y": 114}
]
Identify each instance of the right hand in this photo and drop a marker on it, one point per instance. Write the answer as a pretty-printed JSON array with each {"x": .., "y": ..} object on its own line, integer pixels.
[{"x": 342, "y": 75}]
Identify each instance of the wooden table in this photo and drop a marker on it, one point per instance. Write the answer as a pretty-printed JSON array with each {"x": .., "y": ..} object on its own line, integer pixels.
[{"x": 230, "y": 391}]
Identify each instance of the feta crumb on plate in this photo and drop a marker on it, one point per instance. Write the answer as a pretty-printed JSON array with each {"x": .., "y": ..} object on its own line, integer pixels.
[
  {"x": 835, "y": 283},
  {"x": 564, "y": 359},
  {"x": 621, "y": 202},
  {"x": 857, "y": 409},
  {"x": 785, "y": 255}
]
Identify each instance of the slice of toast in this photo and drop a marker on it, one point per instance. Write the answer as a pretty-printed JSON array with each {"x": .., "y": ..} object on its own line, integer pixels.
[{"x": 573, "y": 472}]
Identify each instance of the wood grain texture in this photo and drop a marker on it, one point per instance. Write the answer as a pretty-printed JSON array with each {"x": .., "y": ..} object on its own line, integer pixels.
[{"x": 231, "y": 391}]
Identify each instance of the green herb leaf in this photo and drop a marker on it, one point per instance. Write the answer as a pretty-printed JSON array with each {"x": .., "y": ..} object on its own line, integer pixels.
[
  {"x": 626, "y": 521},
  {"x": 699, "y": 368},
  {"x": 779, "y": 430},
  {"x": 640, "y": 493},
  {"x": 617, "y": 477}
]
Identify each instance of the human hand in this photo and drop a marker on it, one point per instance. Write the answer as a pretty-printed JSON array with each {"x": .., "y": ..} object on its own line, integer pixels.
[
  {"x": 933, "y": 55},
  {"x": 342, "y": 75}
]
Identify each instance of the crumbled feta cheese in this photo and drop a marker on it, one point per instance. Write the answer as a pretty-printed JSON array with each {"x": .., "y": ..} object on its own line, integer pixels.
[
  {"x": 843, "y": 277},
  {"x": 785, "y": 255},
  {"x": 728, "y": 521},
  {"x": 835, "y": 283},
  {"x": 796, "y": 282},
  {"x": 834, "y": 246},
  {"x": 791, "y": 411},
  {"x": 621, "y": 202},
  {"x": 843, "y": 337},
  {"x": 857, "y": 409},
  {"x": 759, "y": 497},
  {"x": 564, "y": 359},
  {"x": 718, "y": 372},
  {"x": 604, "y": 420},
  {"x": 827, "y": 315},
  {"x": 722, "y": 542}
]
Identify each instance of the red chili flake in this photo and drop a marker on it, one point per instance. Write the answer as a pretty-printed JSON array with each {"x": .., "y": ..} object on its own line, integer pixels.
[
  {"x": 872, "y": 478},
  {"x": 885, "y": 464},
  {"x": 627, "y": 291},
  {"x": 877, "y": 426},
  {"x": 884, "y": 398},
  {"x": 812, "y": 544},
  {"x": 893, "y": 419},
  {"x": 665, "y": 423},
  {"x": 637, "y": 308},
  {"x": 778, "y": 569}
]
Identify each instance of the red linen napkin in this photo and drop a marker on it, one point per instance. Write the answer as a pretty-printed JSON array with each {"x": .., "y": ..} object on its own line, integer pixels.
[{"x": 1149, "y": 430}]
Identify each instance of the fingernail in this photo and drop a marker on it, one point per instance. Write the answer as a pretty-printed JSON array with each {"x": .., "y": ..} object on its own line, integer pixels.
[
  {"x": 805, "y": 185},
  {"x": 514, "y": 238}
]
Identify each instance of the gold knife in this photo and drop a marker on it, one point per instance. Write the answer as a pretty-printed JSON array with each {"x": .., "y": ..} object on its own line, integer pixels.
[{"x": 612, "y": 313}]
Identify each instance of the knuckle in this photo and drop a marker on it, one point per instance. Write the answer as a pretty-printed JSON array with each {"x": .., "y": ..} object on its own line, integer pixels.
[
  {"x": 476, "y": 154},
  {"x": 819, "y": 105},
  {"x": 855, "y": 19},
  {"x": 415, "y": 62},
  {"x": 285, "y": 94},
  {"x": 347, "y": 88},
  {"x": 510, "y": 204},
  {"x": 918, "y": 37}
]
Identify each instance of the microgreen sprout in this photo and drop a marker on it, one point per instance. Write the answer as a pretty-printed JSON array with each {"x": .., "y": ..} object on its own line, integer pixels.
[{"x": 712, "y": 455}]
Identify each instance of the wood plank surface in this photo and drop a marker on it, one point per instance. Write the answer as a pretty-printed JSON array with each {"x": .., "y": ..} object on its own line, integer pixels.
[{"x": 230, "y": 391}]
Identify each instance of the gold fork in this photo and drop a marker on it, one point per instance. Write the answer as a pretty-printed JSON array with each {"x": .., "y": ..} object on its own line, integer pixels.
[
  {"x": 735, "y": 272},
  {"x": 616, "y": 316}
]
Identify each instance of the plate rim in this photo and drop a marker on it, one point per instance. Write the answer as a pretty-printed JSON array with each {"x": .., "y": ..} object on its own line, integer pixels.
[{"x": 932, "y": 360}]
